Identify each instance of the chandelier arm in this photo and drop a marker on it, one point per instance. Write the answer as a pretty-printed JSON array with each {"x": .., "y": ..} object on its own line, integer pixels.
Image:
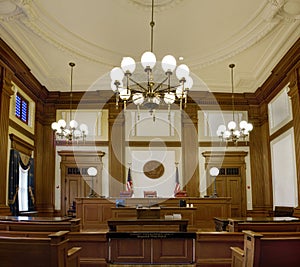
[
  {"x": 162, "y": 82},
  {"x": 172, "y": 88},
  {"x": 138, "y": 84}
]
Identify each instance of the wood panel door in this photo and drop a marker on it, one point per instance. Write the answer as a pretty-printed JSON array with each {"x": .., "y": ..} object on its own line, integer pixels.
[
  {"x": 76, "y": 186},
  {"x": 229, "y": 186},
  {"x": 231, "y": 181},
  {"x": 75, "y": 181}
]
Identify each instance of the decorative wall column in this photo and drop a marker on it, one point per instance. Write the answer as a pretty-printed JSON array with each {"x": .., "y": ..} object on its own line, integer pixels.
[
  {"x": 261, "y": 179},
  {"x": 44, "y": 158},
  {"x": 190, "y": 150},
  {"x": 5, "y": 93},
  {"x": 116, "y": 149},
  {"x": 294, "y": 93}
]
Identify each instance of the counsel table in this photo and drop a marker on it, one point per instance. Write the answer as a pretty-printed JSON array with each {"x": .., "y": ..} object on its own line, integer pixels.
[{"x": 112, "y": 224}]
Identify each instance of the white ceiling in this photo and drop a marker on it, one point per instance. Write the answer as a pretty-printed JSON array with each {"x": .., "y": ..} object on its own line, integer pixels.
[{"x": 96, "y": 34}]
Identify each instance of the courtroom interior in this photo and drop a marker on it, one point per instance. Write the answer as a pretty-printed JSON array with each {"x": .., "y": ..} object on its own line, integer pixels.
[{"x": 150, "y": 132}]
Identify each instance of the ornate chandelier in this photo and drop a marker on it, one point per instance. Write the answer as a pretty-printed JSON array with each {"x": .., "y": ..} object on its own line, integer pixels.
[
  {"x": 232, "y": 133},
  {"x": 71, "y": 132},
  {"x": 158, "y": 87}
]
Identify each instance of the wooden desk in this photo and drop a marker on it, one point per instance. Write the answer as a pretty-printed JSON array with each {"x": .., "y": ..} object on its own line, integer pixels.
[
  {"x": 151, "y": 248},
  {"x": 112, "y": 224},
  {"x": 264, "y": 224}
]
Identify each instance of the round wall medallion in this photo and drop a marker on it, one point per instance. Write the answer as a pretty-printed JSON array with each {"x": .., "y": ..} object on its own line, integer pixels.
[{"x": 153, "y": 169}]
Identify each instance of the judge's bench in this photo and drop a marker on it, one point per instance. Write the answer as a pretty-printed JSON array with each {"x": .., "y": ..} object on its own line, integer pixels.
[{"x": 200, "y": 212}]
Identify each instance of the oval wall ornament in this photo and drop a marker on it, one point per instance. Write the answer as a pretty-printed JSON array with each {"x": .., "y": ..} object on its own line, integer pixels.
[{"x": 153, "y": 169}]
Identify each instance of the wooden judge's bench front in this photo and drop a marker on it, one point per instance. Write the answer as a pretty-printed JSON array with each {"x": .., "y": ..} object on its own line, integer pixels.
[{"x": 94, "y": 212}]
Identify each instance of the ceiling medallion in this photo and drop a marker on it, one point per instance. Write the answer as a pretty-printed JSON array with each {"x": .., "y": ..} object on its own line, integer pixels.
[{"x": 153, "y": 169}]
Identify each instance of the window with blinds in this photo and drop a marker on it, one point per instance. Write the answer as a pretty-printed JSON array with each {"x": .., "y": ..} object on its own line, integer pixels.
[
  {"x": 22, "y": 108},
  {"x": 77, "y": 171},
  {"x": 230, "y": 171}
]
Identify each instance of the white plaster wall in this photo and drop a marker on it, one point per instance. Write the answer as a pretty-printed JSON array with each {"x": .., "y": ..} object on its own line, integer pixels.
[
  {"x": 284, "y": 170},
  {"x": 166, "y": 183}
]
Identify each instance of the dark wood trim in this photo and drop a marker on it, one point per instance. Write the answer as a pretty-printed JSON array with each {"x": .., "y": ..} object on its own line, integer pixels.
[
  {"x": 20, "y": 129},
  {"x": 20, "y": 145},
  {"x": 81, "y": 143},
  {"x": 272, "y": 86},
  {"x": 153, "y": 144},
  {"x": 280, "y": 131},
  {"x": 223, "y": 144}
]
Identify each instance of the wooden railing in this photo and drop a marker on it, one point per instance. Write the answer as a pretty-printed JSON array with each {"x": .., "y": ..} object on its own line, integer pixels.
[{"x": 50, "y": 251}]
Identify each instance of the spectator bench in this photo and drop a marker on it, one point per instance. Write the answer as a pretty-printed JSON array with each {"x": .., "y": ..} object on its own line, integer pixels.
[
  {"x": 17, "y": 249},
  {"x": 260, "y": 250}
]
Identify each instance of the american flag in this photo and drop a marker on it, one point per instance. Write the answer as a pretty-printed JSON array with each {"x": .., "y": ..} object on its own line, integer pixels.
[
  {"x": 177, "y": 184},
  {"x": 129, "y": 185}
]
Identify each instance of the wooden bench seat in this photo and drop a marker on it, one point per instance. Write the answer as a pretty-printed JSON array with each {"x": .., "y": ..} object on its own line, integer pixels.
[
  {"x": 47, "y": 251},
  {"x": 263, "y": 250}
]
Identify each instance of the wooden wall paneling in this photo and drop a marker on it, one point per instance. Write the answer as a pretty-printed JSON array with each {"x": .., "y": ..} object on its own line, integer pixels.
[
  {"x": 294, "y": 93},
  {"x": 261, "y": 178},
  {"x": 116, "y": 150},
  {"x": 5, "y": 93},
  {"x": 190, "y": 159}
]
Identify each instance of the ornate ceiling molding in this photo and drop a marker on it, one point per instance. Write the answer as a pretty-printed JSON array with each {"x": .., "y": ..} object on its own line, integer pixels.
[
  {"x": 259, "y": 26},
  {"x": 28, "y": 12},
  {"x": 11, "y": 10},
  {"x": 37, "y": 21}
]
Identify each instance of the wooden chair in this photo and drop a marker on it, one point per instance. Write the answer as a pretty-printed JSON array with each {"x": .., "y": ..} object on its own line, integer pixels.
[{"x": 126, "y": 194}]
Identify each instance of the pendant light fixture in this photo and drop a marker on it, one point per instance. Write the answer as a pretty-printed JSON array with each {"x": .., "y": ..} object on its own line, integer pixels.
[
  {"x": 70, "y": 132},
  {"x": 235, "y": 131},
  {"x": 151, "y": 92}
]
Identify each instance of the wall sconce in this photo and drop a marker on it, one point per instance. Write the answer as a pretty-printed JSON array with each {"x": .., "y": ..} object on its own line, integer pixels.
[
  {"x": 92, "y": 171},
  {"x": 214, "y": 172}
]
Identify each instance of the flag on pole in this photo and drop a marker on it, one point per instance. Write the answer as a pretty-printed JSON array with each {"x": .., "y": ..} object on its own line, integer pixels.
[
  {"x": 177, "y": 184},
  {"x": 129, "y": 184}
]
